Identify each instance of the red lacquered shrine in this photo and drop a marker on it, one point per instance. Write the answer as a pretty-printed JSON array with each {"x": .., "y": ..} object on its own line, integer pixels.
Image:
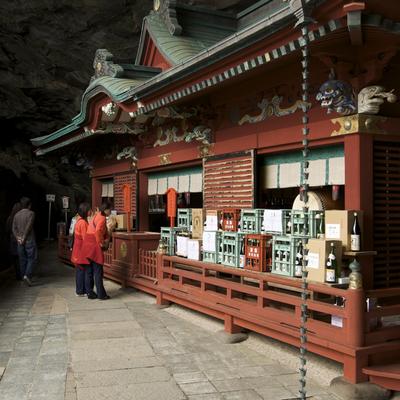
[{"x": 212, "y": 108}]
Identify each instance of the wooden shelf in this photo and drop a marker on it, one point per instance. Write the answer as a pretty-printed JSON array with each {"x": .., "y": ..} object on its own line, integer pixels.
[{"x": 360, "y": 253}]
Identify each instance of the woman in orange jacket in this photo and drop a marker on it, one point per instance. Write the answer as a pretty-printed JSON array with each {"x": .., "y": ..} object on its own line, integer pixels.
[
  {"x": 94, "y": 243},
  {"x": 77, "y": 257}
]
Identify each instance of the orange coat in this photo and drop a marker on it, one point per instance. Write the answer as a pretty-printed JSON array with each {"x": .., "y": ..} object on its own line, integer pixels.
[
  {"x": 96, "y": 235},
  {"x": 79, "y": 233}
]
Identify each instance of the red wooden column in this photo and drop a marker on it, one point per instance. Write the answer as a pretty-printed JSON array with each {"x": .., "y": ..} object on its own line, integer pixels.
[
  {"x": 358, "y": 152},
  {"x": 142, "y": 212},
  {"x": 96, "y": 193}
]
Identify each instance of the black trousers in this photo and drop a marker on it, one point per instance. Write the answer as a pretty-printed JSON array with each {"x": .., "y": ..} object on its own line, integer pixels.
[{"x": 94, "y": 271}]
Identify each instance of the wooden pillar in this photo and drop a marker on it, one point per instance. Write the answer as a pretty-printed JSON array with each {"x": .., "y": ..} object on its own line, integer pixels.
[
  {"x": 358, "y": 151},
  {"x": 96, "y": 193},
  {"x": 142, "y": 211}
]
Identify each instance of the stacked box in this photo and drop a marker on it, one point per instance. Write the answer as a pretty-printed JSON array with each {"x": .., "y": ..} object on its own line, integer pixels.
[
  {"x": 212, "y": 247},
  {"x": 283, "y": 255},
  {"x": 251, "y": 220},
  {"x": 230, "y": 219},
  {"x": 258, "y": 252},
  {"x": 232, "y": 249},
  {"x": 184, "y": 218},
  {"x": 277, "y": 222},
  {"x": 315, "y": 221},
  {"x": 168, "y": 237}
]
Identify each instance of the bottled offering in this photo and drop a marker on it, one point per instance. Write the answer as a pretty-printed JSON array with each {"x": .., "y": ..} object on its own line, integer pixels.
[
  {"x": 331, "y": 266},
  {"x": 299, "y": 260},
  {"x": 355, "y": 235}
]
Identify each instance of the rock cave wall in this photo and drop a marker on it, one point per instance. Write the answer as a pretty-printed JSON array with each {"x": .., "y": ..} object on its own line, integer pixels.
[{"x": 46, "y": 54}]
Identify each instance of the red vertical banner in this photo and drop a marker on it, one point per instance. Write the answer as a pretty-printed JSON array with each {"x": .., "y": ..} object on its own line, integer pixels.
[
  {"x": 171, "y": 205},
  {"x": 126, "y": 190}
]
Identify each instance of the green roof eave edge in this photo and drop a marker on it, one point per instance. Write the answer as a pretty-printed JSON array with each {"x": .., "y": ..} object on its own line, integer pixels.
[{"x": 79, "y": 119}]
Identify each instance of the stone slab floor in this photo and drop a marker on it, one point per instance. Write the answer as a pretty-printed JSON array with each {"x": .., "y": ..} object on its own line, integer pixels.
[{"x": 56, "y": 346}]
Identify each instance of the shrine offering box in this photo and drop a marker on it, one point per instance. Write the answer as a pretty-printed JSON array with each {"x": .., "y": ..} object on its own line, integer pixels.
[
  {"x": 338, "y": 225},
  {"x": 213, "y": 218},
  {"x": 193, "y": 249},
  {"x": 318, "y": 250},
  {"x": 197, "y": 223}
]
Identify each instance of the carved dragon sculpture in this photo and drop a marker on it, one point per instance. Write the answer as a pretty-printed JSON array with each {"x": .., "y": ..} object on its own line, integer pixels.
[
  {"x": 372, "y": 97},
  {"x": 128, "y": 152},
  {"x": 200, "y": 133},
  {"x": 337, "y": 96}
]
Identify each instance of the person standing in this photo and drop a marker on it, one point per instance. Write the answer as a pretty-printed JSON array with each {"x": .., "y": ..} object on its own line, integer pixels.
[
  {"x": 13, "y": 245},
  {"x": 22, "y": 229},
  {"x": 95, "y": 242},
  {"x": 77, "y": 258}
]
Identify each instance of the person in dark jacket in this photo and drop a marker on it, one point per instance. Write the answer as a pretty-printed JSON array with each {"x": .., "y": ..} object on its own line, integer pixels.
[
  {"x": 12, "y": 242},
  {"x": 22, "y": 229}
]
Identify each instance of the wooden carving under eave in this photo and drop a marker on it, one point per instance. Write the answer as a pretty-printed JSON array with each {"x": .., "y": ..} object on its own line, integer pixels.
[
  {"x": 360, "y": 123},
  {"x": 205, "y": 150},
  {"x": 165, "y": 158},
  {"x": 271, "y": 108}
]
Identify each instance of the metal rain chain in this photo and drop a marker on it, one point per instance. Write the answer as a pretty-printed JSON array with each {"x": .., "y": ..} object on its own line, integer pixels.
[{"x": 301, "y": 11}]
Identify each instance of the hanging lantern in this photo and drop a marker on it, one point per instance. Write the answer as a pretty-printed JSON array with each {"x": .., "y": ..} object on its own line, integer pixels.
[{"x": 335, "y": 192}]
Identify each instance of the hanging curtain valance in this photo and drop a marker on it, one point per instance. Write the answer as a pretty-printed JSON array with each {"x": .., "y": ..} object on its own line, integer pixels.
[
  {"x": 107, "y": 189},
  {"x": 326, "y": 167},
  {"x": 182, "y": 180}
]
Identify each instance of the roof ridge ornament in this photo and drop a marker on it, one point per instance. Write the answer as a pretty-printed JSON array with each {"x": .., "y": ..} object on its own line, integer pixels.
[
  {"x": 104, "y": 66},
  {"x": 167, "y": 11}
]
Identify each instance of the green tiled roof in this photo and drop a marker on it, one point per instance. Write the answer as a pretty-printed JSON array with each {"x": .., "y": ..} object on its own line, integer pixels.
[
  {"x": 195, "y": 38},
  {"x": 116, "y": 88}
]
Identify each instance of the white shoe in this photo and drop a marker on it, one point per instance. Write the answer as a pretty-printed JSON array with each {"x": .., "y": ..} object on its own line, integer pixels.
[{"x": 27, "y": 281}]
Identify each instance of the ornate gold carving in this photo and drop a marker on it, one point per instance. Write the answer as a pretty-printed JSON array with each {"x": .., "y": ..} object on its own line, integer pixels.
[
  {"x": 360, "y": 123},
  {"x": 123, "y": 249},
  {"x": 165, "y": 159},
  {"x": 347, "y": 125}
]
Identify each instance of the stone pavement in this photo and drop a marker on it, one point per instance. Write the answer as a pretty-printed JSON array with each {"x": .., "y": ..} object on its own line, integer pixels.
[{"x": 56, "y": 346}]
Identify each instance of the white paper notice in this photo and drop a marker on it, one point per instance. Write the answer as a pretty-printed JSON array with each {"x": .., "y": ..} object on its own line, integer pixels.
[
  {"x": 313, "y": 260},
  {"x": 273, "y": 221},
  {"x": 211, "y": 223},
  {"x": 193, "y": 249},
  {"x": 336, "y": 320},
  {"x": 182, "y": 246},
  {"x": 332, "y": 231},
  {"x": 209, "y": 239}
]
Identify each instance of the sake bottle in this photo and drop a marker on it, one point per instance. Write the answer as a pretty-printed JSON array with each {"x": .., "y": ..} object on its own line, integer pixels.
[
  {"x": 298, "y": 267},
  {"x": 355, "y": 235},
  {"x": 332, "y": 272}
]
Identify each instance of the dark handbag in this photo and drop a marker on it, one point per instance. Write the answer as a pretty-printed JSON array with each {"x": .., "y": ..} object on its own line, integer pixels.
[
  {"x": 71, "y": 240},
  {"x": 105, "y": 245}
]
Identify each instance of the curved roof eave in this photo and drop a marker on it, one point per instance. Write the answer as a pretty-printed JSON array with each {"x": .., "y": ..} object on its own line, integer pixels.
[{"x": 116, "y": 88}]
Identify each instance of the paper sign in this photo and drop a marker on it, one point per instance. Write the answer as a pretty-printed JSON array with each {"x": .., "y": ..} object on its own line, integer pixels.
[
  {"x": 65, "y": 202},
  {"x": 209, "y": 241},
  {"x": 193, "y": 249},
  {"x": 273, "y": 221},
  {"x": 211, "y": 223},
  {"x": 50, "y": 197},
  {"x": 182, "y": 246},
  {"x": 332, "y": 231},
  {"x": 336, "y": 320},
  {"x": 313, "y": 260}
]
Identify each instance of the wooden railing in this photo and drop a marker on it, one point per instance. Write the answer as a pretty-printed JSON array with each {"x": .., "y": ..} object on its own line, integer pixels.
[
  {"x": 108, "y": 256},
  {"x": 64, "y": 253},
  {"x": 147, "y": 264}
]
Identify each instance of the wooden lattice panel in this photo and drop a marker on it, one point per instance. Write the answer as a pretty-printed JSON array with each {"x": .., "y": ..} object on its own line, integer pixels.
[
  {"x": 119, "y": 182},
  {"x": 229, "y": 181},
  {"x": 387, "y": 214}
]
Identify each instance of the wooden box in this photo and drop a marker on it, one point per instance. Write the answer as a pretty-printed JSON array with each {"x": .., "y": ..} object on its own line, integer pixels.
[
  {"x": 197, "y": 223},
  {"x": 230, "y": 219},
  {"x": 318, "y": 250},
  {"x": 257, "y": 250},
  {"x": 338, "y": 225},
  {"x": 122, "y": 222}
]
